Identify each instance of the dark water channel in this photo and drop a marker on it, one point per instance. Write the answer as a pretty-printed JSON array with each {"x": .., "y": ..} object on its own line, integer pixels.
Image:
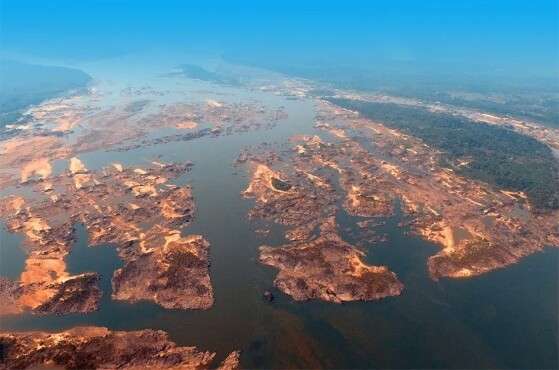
[{"x": 505, "y": 319}]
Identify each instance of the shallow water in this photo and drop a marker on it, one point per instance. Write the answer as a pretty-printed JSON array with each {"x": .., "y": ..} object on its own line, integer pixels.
[
  {"x": 505, "y": 319},
  {"x": 12, "y": 255}
]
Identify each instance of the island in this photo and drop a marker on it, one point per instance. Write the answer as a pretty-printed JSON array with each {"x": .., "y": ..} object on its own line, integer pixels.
[
  {"x": 136, "y": 210},
  {"x": 98, "y": 347}
]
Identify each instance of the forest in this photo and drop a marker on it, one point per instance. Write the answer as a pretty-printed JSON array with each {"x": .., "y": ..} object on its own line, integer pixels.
[{"x": 496, "y": 155}]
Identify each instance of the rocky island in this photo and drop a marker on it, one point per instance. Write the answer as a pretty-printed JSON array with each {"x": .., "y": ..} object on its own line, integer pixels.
[
  {"x": 137, "y": 210},
  {"x": 100, "y": 348},
  {"x": 174, "y": 207},
  {"x": 329, "y": 269},
  {"x": 312, "y": 266}
]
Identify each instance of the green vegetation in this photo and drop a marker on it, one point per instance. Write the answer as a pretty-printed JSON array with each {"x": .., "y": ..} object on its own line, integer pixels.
[
  {"x": 496, "y": 155},
  {"x": 538, "y": 106}
]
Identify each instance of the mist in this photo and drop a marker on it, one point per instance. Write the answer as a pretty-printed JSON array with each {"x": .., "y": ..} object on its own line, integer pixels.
[{"x": 422, "y": 40}]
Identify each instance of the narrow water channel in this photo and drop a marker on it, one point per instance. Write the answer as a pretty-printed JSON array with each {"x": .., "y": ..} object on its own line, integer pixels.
[{"x": 504, "y": 319}]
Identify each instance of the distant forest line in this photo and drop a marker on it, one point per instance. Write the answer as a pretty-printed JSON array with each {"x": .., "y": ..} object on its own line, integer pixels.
[{"x": 498, "y": 156}]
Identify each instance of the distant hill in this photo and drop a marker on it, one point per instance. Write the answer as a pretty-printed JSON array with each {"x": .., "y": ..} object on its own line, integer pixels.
[
  {"x": 22, "y": 85},
  {"x": 199, "y": 73}
]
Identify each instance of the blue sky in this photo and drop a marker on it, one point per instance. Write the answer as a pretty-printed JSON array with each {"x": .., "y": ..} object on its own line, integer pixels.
[{"x": 507, "y": 37}]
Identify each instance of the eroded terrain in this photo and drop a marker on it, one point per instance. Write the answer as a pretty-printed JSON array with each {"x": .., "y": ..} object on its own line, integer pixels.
[
  {"x": 98, "y": 347},
  {"x": 479, "y": 228},
  {"x": 66, "y": 127},
  {"x": 312, "y": 266},
  {"x": 137, "y": 210},
  {"x": 329, "y": 269},
  {"x": 344, "y": 165}
]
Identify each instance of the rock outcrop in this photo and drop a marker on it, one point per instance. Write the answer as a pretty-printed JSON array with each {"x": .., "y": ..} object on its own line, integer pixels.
[{"x": 98, "y": 347}]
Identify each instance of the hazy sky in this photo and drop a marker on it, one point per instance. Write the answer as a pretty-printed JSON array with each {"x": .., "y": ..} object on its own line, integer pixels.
[{"x": 515, "y": 37}]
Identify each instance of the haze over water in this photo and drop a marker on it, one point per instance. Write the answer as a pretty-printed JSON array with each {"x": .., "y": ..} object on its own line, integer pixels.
[
  {"x": 432, "y": 39},
  {"x": 503, "y": 319}
]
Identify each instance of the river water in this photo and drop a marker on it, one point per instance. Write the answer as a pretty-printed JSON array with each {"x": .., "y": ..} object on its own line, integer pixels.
[{"x": 504, "y": 319}]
